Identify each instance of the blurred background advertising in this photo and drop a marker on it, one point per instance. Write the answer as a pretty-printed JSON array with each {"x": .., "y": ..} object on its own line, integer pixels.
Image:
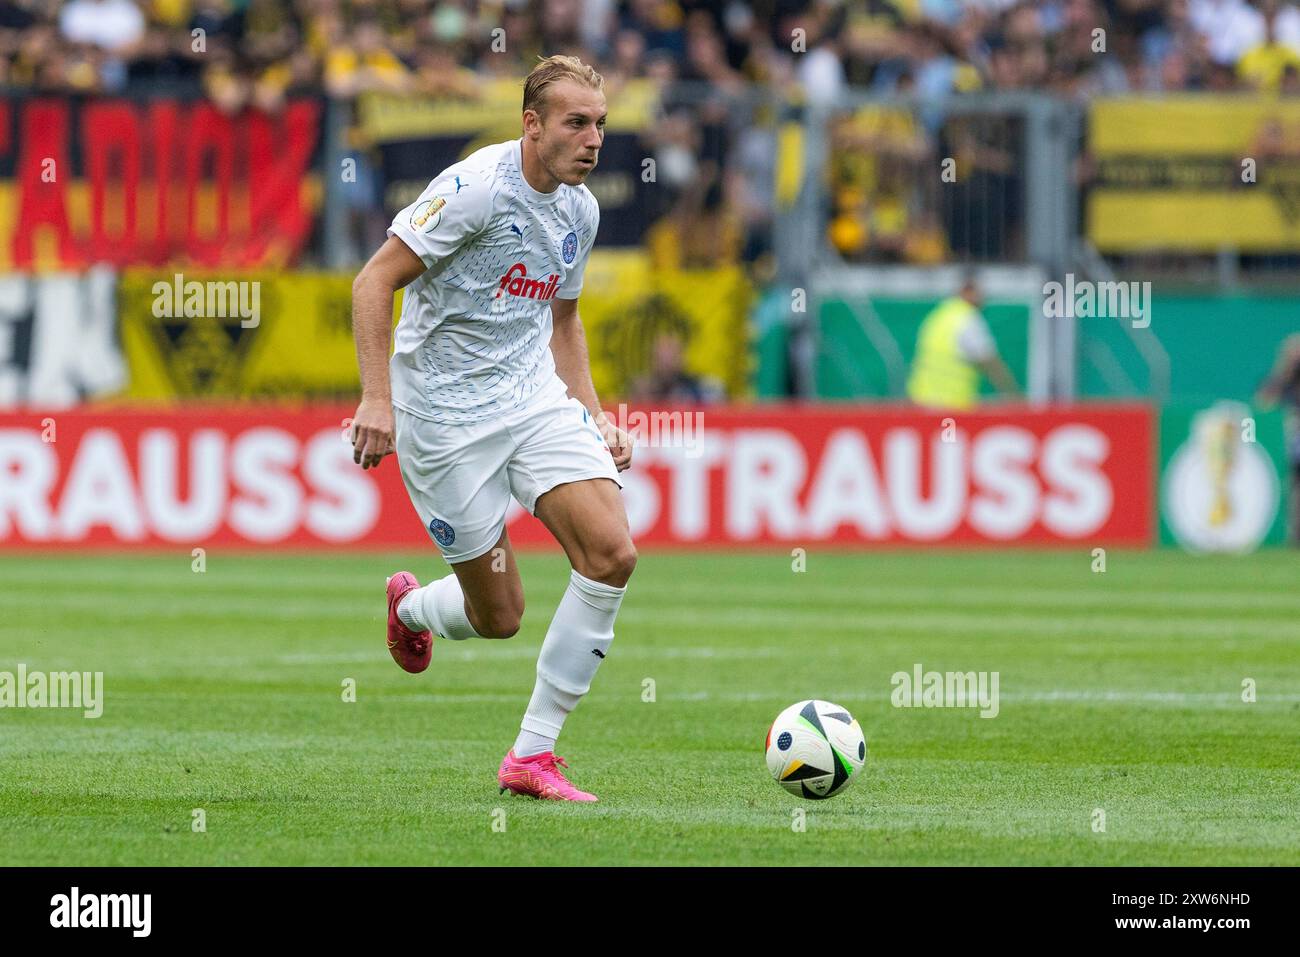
[{"x": 870, "y": 273}]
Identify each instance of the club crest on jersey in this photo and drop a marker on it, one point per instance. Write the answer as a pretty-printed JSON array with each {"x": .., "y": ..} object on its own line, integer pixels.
[
  {"x": 430, "y": 211},
  {"x": 569, "y": 248},
  {"x": 442, "y": 533},
  {"x": 516, "y": 283}
]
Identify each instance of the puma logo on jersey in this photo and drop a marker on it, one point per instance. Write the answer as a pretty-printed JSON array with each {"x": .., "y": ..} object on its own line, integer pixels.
[
  {"x": 516, "y": 283},
  {"x": 597, "y": 652}
]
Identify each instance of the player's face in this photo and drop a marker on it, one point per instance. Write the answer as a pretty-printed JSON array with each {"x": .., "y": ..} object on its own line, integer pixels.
[{"x": 572, "y": 132}]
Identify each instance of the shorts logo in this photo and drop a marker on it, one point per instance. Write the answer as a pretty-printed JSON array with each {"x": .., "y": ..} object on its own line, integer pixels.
[
  {"x": 570, "y": 248},
  {"x": 442, "y": 533},
  {"x": 430, "y": 211}
]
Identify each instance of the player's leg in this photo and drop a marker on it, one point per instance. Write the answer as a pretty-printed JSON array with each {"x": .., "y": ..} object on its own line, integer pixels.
[
  {"x": 456, "y": 479},
  {"x": 589, "y": 521},
  {"x": 587, "y": 518},
  {"x": 563, "y": 473},
  {"x": 482, "y": 598}
]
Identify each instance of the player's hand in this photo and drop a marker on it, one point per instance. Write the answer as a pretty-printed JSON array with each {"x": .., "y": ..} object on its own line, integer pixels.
[
  {"x": 619, "y": 442},
  {"x": 372, "y": 433}
]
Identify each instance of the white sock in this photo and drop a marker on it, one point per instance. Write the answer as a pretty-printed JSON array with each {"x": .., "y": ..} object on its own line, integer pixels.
[
  {"x": 438, "y": 606},
  {"x": 575, "y": 644},
  {"x": 529, "y": 743}
]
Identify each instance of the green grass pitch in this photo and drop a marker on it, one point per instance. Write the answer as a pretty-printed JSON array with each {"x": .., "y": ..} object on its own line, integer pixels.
[{"x": 1119, "y": 691}]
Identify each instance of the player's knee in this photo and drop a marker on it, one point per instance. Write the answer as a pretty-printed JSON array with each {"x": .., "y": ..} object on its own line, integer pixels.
[
  {"x": 500, "y": 621},
  {"x": 613, "y": 565},
  {"x": 625, "y": 561},
  {"x": 503, "y": 624},
  {"x": 505, "y": 628}
]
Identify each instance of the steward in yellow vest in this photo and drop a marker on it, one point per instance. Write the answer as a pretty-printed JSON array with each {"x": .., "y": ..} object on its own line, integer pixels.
[{"x": 953, "y": 347}]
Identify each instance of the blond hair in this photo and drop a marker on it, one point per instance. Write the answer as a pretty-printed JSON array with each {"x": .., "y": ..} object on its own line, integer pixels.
[{"x": 552, "y": 68}]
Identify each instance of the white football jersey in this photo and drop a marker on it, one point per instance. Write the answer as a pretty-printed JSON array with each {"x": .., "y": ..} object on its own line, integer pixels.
[{"x": 474, "y": 336}]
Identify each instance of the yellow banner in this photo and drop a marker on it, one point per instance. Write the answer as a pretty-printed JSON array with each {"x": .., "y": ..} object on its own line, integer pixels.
[
  {"x": 229, "y": 336},
  {"x": 389, "y": 117},
  {"x": 627, "y": 305},
  {"x": 263, "y": 335},
  {"x": 1195, "y": 173}
]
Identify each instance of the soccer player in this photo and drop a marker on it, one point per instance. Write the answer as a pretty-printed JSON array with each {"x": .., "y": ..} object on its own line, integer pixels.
[{"x": 488, "y": 394}]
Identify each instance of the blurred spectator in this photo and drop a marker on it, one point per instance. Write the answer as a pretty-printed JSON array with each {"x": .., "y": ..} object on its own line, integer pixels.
[
  {"x": 438, "y": 74},
  {"x": 627, "y": 58},
  {"x": 1230, "y": 27},
  {"x": 874, "y": 151},
  {"x": 361, "y": 63},
  {"x": 16, "y": 15},
  {"x": 821, "y": 68},
  {"x": 668, "y": 381},
  {"x": 112, "y": 25},
  {"x": 659, "y": 23},
  {"x": 953, "y": 347},
  {"x": 1263, "y": 66},
  {"x": 561, "y": 27},
  {"x": 1282, "y": 387}
]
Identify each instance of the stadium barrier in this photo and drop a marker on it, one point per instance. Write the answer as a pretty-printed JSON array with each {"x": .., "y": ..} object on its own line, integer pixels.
[{"x": 720, "y": 476}]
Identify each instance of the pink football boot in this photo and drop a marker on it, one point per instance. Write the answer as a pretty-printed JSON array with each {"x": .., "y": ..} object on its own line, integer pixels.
[
  {"x": 412, "y": 650},
  {"x": 538, "y": 776}
]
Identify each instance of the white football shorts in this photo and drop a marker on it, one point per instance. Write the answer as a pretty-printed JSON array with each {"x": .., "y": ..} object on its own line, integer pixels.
[{"x": 461, "y": 477}]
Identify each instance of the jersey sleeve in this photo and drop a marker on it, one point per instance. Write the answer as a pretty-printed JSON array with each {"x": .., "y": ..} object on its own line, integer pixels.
[
  {"x": 451, "y": 211},
  {"x": 573, "y": 282}
]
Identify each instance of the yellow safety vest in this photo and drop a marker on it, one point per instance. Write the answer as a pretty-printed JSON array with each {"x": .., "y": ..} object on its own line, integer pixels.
[{"x": 940, "y": 377}]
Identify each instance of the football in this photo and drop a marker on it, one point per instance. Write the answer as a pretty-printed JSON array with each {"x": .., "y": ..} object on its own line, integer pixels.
[{"x": 815, "y": 749}]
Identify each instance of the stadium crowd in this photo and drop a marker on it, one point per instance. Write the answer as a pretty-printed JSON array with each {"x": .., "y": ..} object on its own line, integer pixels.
[
  {"x": 259, "y": 50},
  {"x": 717, "y": 157}
]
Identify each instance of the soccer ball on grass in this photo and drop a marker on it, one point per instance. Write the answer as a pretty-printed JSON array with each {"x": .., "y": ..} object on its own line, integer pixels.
[{"x": 815, "y": 749}]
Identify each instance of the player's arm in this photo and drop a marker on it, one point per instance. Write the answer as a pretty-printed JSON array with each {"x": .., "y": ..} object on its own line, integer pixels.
[
  {"x": 392, "y": 268},
  {"x": 450, "y": 212},
  {"x": 573, "y": 366}
]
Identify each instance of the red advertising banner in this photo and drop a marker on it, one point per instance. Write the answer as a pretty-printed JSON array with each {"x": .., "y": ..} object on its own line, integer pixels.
[
  {"x": 128, "y": 182},
  {"x": 736, "y": 476}
]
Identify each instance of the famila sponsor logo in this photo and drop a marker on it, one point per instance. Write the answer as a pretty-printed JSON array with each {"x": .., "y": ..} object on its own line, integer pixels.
[{"x": 516, "y": 283}]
